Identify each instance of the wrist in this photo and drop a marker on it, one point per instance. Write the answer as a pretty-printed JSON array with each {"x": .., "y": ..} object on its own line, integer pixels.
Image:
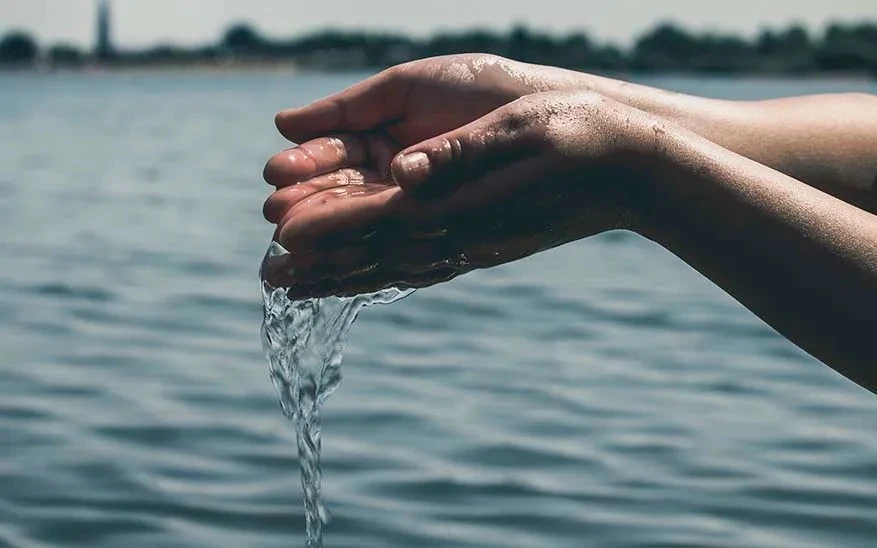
[
  {"x": 645, "y": 156},
  {"x": 675, "y": 170}
]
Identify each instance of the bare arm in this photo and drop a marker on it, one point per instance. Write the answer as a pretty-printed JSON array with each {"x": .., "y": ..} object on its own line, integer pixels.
[
  {"x": 826, "y": 141},
  {"x": 802, "y": 260},
  {"x": 713, "y": 189}
]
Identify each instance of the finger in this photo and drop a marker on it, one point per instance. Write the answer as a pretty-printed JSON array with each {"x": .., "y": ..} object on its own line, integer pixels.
[
  {"x": 374, "y": 102},
  {"x": 287, "y": 197},
  {"x": 377, "y": 281},
  {"x": 381, "y": 261},
  {"x": 314, "y": 158},
  {"x": 360, "y": 285},
  {"x": 334, "y": 217},
  {"x": 337, "y": 211},
  {"x": 440, "y": 164},
  {"x": 310, "y": 267},
  {"x": 327, "y": 154}
]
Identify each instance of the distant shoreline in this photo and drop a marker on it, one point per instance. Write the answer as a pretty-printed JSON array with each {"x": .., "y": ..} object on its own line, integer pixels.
[
  {"x": 266, "y": 66},
  {"x": 291, "y": 67},
  {"x": 836, "y": 51}
]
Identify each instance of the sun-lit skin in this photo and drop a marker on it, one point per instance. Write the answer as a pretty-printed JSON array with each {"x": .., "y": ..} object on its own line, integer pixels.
[{"x": 438, "y": 167}]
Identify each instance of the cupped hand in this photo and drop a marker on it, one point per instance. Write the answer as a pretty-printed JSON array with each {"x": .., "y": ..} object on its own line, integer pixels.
[
  {"x": 535, "y": 173},
  {"x": 399, "y": 107},
  {"x": 421, "y": 99}
]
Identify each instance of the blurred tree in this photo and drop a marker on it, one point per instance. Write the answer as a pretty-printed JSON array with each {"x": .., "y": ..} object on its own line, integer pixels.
[
  {"x": 766, "y": 43},
  {"x": 794, "y": 50},
  {"x": 612, "y": 57},
  {"x": 65, "y": 55},
  {"x": 473, "y": 41},
  {"x": 577, "y": 50},
  {"x": 386, "y": 50},
  {"x": 666, "y": 47},
  {"x": 795, "y": 38},
  {"x": 243, "y": 38},
  {"x": 18, "y": 47},
  {"x": 848, "y": 48},
  {"x": 723, "y": 53},
  {"x": 519, "y": 44}
]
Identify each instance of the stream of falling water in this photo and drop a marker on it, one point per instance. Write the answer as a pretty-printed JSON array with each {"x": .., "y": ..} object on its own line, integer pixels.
[{"x": 304, "y": 342}]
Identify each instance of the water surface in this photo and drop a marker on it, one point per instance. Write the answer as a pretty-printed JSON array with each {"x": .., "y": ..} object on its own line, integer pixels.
[{"x": 602, "y": 394}]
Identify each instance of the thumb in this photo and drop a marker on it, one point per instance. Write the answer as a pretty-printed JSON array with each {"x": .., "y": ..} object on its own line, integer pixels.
[{"x": 441, "y": 164}]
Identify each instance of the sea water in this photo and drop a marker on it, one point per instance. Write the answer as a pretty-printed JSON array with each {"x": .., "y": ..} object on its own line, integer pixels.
[{"x": 304, "y": 342}]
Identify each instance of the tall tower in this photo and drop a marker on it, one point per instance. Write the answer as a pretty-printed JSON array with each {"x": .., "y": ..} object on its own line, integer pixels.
[{"x": 103, "y": 43}]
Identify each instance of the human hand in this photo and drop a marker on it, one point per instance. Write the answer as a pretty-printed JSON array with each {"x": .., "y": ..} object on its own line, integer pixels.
[
  {"x": 536, "y": 173},
  {"x": 423, "y": 98},
  {"x": 373, "y": 120}
]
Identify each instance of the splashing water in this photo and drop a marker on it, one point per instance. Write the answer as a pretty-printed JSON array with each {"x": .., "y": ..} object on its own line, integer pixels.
[{"x": 304, "y": 341}]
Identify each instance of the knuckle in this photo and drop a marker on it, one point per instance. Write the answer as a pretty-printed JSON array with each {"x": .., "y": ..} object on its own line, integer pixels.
[
  {"x": 522, "y": 115},
  {"x": 395, "y": 74},
  {"x": 453, "y": 148},
  {"x": 594, "y": 106},
  {"x": 449, "y": 151},
  {"x": 589, "y": 98},
  {"x": 340, "y": 146},
  {"x": 356, "y": 149},
  {"x": 486, "y": 59},
  {"x": 517, "y": 120}
]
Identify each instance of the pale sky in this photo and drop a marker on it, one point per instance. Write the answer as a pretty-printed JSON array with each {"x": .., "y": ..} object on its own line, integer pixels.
[{"x": 143, "y": 22}]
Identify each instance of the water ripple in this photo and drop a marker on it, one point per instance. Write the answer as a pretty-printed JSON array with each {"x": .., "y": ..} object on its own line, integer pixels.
[{"x": 601, "y": 394}]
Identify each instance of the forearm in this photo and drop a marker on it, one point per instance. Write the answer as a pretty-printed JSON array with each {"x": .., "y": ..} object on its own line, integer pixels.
[
  {"x": 826, "y": 141},
  {"x": 803, "y": 261}
]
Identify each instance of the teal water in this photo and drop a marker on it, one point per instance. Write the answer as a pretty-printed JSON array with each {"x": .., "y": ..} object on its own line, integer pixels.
[{"x": 601, "y": 394}]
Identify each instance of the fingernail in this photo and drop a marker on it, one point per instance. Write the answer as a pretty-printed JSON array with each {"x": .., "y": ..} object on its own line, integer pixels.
[{"x": 411, "y": 169}]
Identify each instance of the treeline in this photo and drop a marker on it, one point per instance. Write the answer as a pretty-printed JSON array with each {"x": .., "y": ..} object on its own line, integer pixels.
[{"x": 838, "y": 48}]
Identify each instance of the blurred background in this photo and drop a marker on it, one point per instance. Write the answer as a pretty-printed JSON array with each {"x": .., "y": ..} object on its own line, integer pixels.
[{"x": 601, "y": 394}]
